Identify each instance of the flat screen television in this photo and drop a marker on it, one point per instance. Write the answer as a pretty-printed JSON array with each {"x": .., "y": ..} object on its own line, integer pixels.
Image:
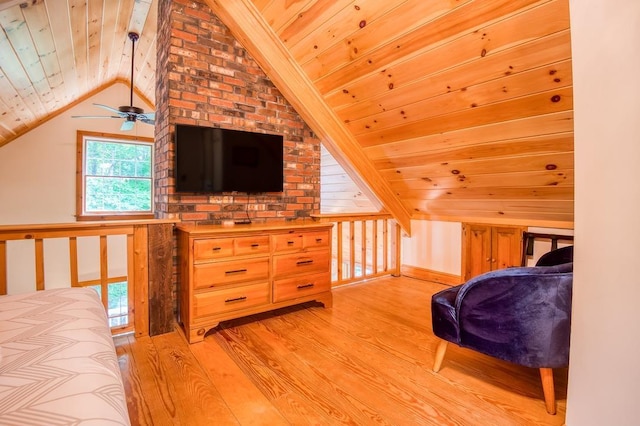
[{"x": 211, "y": 160}]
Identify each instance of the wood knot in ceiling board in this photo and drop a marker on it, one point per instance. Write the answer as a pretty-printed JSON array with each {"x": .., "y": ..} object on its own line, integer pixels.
[
  {"x": 426, "y": 179},
  {"x": 345, "y": 91},
  {"x": 455, "y": 172},
  {"x": 390, "y": 86},
  {"x": 483, "y": 53},
  {"x": 550, "y": 167},
  {"x": 356, "y": 7},
  {"x": 363, "y": 23},
  {"x": 555, "y": 98},
  {"x": 501, "y": 213}
]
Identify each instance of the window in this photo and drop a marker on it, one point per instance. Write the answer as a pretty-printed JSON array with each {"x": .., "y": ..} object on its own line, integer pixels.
[{"x": 115, "y": 177}]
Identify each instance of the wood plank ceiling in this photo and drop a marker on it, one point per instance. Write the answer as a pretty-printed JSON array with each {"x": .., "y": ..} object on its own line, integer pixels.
[
  {"x": 442, "y": 109},
  {"x": 463, "y": 108},
  {"x": 56, "y": 53}
]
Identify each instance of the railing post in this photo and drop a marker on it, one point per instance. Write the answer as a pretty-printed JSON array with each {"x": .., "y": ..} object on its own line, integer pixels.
[
  {"x": 3, "y": 268},
  {"x": 398, "y": 260}
]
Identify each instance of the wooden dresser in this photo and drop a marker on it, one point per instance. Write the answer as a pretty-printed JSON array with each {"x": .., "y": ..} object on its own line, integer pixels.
[{"x": 229, "y": 272}]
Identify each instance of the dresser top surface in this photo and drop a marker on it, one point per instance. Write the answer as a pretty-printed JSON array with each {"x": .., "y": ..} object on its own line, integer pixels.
[{"x": 272, "y": 226}]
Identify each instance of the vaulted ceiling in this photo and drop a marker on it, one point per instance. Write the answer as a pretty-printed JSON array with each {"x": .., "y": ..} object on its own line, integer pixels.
[
  {"x": 442, "y": 109},
  {"x": 56, "y": 53}
]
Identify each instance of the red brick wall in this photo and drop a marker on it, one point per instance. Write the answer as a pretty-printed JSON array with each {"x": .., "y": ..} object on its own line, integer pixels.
[{"x": 205, "y": 77}]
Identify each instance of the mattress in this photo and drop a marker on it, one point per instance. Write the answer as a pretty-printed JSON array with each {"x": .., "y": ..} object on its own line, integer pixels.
[{"x": 58, "y": 364}]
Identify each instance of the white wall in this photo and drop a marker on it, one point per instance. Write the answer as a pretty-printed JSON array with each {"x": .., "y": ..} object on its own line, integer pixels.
[
  {"x": 436, "y": 246},
  {"x": 37, "y": 170},
  {"x": 37, "y": 185},
  {"x": 604, "y": 371}
]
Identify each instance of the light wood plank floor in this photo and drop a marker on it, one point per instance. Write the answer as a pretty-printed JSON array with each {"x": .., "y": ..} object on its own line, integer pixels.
[{"x": 365, "y": 361}]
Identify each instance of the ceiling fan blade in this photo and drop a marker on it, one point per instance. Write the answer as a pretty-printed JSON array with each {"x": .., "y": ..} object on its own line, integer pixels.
[
  {"x": 95, "y": 116},
  {"x": 148, "y": 118},
  {"x": 108, "y": 108},
  {"x": 127, "y": 125}
]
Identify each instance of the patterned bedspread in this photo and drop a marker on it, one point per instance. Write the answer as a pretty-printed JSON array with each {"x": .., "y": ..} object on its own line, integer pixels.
[{"x": 58, "y": 364}]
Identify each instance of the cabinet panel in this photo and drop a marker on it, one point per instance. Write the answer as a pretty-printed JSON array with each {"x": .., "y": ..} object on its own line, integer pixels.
[
  {"x": 208, "y": 275},
  {"x": 230, "y": 299},
  {"x": 291, "y": 288},
  {"x": 297, "y": 263}
]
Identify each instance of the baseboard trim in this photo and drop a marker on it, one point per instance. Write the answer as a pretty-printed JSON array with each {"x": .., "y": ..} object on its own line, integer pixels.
[{"x": 429, "y": 275}]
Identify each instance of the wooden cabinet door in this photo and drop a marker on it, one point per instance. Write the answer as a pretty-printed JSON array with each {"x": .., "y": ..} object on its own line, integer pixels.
[
  {"x": 506, "y": 247},
  {"x": 477, "y": 249},
  {"x": 487, "y": 248}
]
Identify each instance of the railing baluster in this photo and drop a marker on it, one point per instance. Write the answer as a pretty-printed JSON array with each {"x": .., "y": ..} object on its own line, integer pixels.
[
  {"x": 385, "y": 245},
  {"x": 352, "y": 250},
  {"x": 3, "y": 268},
  {"x": 39, "y": 248},
  {"x": 104, "y": 271},
  {"x": 73, "y": 261},
  {"x": 374, "y": 246},
  {"x": 339, "y": 246}
]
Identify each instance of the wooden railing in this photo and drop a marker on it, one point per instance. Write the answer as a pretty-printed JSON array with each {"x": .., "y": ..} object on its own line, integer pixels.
[
  {"x": 136, "y": 274},
  {"x": 364, "y": 246}
]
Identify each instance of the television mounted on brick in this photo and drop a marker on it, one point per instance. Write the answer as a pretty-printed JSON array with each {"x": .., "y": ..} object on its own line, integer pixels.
[{"x": 216, "y": 160}]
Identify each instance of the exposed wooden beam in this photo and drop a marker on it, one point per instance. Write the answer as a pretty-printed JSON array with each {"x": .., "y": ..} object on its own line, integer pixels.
[{"x": 249, "y": 27}]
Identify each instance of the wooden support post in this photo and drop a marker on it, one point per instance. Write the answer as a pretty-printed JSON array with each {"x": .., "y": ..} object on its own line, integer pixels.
[{"x": 161, "y": 318}]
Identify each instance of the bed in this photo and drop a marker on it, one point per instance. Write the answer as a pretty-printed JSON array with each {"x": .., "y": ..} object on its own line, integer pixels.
[{"x": 58, "y": 363}]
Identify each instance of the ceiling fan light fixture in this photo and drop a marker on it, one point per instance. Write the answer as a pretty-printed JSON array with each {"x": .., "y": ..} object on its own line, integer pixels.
[{"x": 130, "y": 113}]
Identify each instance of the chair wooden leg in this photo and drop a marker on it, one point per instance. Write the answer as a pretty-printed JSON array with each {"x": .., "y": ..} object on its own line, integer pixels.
[
  {"x": 440, "y": 351},
  {"x": 546, "y": 374}
]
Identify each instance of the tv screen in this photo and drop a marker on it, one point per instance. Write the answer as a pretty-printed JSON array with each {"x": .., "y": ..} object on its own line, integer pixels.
[{"x": 210, "y": 160}]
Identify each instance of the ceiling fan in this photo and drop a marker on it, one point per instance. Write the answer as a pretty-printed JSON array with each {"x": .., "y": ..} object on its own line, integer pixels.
[{"x": 129, "y": 113}]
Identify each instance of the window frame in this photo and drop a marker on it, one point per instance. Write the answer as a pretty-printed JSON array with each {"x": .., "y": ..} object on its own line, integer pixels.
[{"x": 81, "y": 214}]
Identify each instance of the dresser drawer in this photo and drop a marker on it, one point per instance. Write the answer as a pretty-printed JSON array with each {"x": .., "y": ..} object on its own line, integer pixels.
[
  {"x": 315, "y": 239},
  {"x": 304, "y": 285},
  {"x": 230, "y": 299},
  {"x": 285, "y": 242},
  {"x": 298, "y": 263},
  {"x": 251, "y": 245},
  {"x": 212, "y": 248},
  {"x": 223, "y": 273}
]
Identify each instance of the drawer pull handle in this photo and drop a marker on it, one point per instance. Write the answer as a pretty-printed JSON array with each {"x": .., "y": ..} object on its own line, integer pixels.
[
  {"x": 216, "y": 248},
  {"x": 254, "y": 245},
  {"x": 303, "y": 286},
  {"x": 236, "y": 271},
  {"x": 236, "y": 299},
  {"x": 304, "y": 262}
]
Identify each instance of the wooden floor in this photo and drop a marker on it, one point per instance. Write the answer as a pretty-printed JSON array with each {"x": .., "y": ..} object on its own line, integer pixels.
[{"x": 365, "y": 361}]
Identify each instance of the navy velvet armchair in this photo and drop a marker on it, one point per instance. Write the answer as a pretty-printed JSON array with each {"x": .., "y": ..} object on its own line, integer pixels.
[{"x": 521, "y": 315}]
